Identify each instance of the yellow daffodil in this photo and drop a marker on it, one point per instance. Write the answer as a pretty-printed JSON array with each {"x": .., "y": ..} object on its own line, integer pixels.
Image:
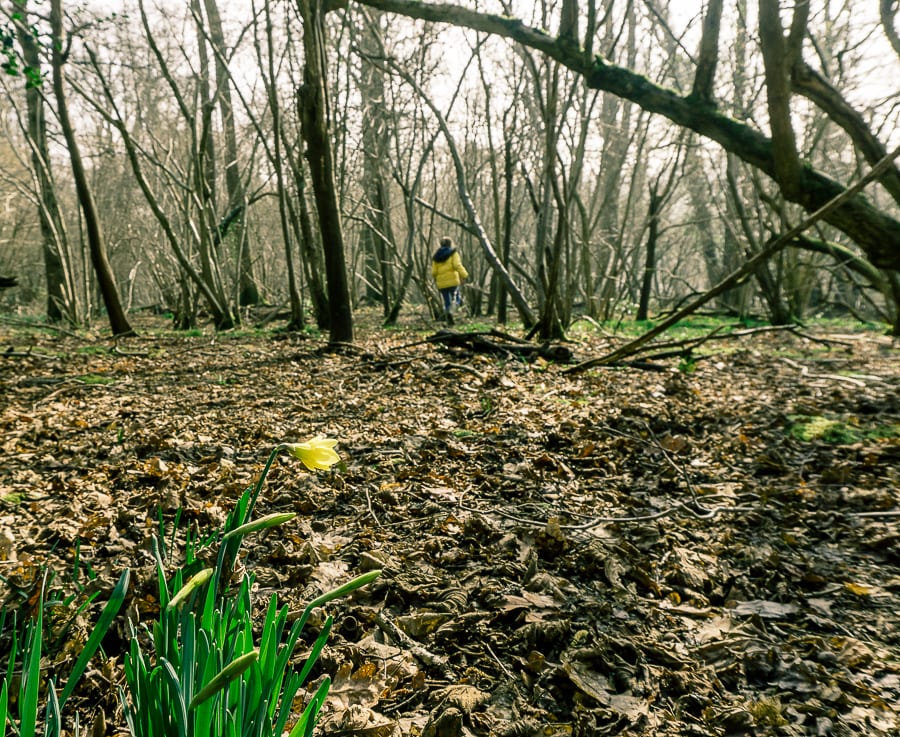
[{"x": 316, "y": 454}]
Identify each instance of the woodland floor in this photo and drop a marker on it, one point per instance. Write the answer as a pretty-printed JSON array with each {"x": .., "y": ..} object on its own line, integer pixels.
[{"x": 616, "y": 551}]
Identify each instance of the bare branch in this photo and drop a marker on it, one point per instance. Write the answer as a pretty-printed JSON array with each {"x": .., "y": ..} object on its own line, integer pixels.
[{"x": 876, "y": 232}]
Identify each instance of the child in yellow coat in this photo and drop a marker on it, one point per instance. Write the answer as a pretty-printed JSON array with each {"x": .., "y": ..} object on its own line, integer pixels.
[{"x": 448, "y": 272}]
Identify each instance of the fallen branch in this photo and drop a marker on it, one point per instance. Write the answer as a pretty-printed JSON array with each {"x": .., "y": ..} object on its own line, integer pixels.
[
  {"x": 441, "y": 367},
  {"x": 497, "y": 343},
  {"x": 685, "y": 348}
]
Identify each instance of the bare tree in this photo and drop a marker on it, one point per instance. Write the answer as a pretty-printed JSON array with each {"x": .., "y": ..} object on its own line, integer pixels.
[
  {"x": 118, "y": 321},
  {"x": 232, "y": 223},
  {"x": 59, "y": 268},
  {"x": 875, "y": 231},
  {"x": 315, "y": 119}
]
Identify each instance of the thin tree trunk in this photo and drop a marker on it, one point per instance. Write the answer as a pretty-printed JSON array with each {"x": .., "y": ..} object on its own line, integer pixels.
[
  {"x": 653, "y": 214},
  {"x": 62, "y": 297},
  {"x": 509, "y": 168},
  {"x": 314, "y": 126},
  {"x": 707, "y": 60},
  {"x": 118, "y": 321},
  {"x": 297, "y": 318},
  {"x": 376, "y": 239},
  {"x": 248, "y": 291}
]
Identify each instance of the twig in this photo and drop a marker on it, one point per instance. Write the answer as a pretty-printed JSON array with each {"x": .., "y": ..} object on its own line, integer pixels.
[
  {"x": 505, "y": 670},
  {"x": 804, "y": 372},
  {"x": 415, "y": 649},
  {"x": 371, "y": 511},
  {"x": 460, "y": 367},
  {"x": 130, "y": 354},
  {"x": 817, "y": 339}
]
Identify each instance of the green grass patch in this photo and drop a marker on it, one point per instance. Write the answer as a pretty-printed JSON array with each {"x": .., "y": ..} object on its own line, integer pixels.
[
  {"x": 96, "y": 379},
  {"x": 695, "y": 326},
  {"x": 92, "y": 350},
  {"x": 839, "y": 432},
  {"x": 884, "y": 432}
]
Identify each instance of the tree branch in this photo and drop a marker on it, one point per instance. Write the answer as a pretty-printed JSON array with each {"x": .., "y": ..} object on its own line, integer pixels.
[
  {"x": 875, "y": 232},
  {"x": 888, "y": 16}
]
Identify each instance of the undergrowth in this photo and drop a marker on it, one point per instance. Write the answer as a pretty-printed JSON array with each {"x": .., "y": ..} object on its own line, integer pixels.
[{"x": 197, "y": 669}]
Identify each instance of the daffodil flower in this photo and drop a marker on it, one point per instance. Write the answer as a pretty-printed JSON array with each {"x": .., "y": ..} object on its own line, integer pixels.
[{"x": 316, "y": 454}]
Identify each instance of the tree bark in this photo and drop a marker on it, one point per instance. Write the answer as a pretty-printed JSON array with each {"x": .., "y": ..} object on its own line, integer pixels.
[
  {"x": 707, "y": 60},
  {"x": 314, "y": 125},
  {"x": 278, "y": 160},
  {"x": 377, "y": 238},
  {"x": 874, "y": 231},
  {"x": 888, "y": 14},
  {"x": 118, "y": 321},
  {"x": 777, "y": 61},
  {"x": 653, "y": 213}
]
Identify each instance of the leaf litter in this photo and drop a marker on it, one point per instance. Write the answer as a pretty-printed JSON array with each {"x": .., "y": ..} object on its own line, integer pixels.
[{"x": 616, "y": 551}]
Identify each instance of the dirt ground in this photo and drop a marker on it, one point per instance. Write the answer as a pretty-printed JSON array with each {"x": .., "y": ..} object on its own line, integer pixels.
[{"x": 707, "y": 549}]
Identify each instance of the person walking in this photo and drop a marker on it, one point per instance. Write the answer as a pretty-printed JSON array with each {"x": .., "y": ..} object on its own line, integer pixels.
[{"x": 448, "y": 272}]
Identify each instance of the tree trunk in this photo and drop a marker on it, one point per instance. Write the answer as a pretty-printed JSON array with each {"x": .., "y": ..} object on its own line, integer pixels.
[
  {"x": 118, "y": 321},
  {"x": 62, "y": 296},
  {"x": 311, "y": 253},
  {"x": 708, "y": 58},
  {"x": 894, "y": 278},
  {"x": 888, "y": 10},
  {"x": 278, "y": 160},
  {"x": 314, "y": 125},
  {"x": 377, "y": 238},
  {"x": 248, "y": 292},
  {"x": 509, "y": 165},
  {"x": 653, "y": 213}
]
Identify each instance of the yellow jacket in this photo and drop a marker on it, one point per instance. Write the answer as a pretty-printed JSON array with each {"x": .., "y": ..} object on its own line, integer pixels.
[{"x": 449, "y": 272}]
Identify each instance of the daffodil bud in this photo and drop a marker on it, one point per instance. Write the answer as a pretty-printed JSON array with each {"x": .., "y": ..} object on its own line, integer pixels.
[{"x": 316, "y": 454}]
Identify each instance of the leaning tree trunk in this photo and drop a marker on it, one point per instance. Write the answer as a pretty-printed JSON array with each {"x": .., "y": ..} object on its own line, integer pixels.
[
  {"x": 314, "y": 126},
  {"x": 118, "y": 322}
]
